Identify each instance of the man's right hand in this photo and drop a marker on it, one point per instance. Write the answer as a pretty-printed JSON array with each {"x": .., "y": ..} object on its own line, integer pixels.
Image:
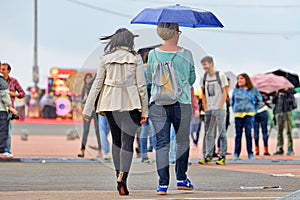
[
  {"x": 86, "y": 117},
  {"x": 13, "y": 111}
]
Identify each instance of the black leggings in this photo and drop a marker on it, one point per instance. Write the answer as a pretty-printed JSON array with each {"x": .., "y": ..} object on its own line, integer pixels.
[{"x": 124, "y": 126}]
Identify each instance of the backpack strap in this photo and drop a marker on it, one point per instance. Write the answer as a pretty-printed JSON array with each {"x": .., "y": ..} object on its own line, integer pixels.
[
  {"x": 248, "y": 95},
  {"x": 219, "y": 80},
  {"x": 204, "y": 78},
  {"x": 171, "y": 58}
]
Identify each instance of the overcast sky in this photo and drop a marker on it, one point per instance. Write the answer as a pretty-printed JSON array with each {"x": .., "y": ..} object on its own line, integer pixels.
[{"x": 258, "y": 35}]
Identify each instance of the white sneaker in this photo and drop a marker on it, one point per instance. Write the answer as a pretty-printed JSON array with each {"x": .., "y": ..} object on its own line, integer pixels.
[
  {"x": 107, "y": 156},
  {"x": 7, "y": 155}
]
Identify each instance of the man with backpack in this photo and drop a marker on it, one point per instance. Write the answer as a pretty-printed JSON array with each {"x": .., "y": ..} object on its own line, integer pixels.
[{"x": 214, "y": 87}]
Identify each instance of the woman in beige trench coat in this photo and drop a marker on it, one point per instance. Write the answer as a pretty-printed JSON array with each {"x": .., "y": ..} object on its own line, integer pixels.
[{"x": 121, "y": 86}]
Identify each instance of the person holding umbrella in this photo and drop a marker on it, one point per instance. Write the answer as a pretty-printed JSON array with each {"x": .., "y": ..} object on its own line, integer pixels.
[
  {"x": 121, "y": 85},
  {"x": 175, "y": 84},
  {"x": 177, "y": 114}
]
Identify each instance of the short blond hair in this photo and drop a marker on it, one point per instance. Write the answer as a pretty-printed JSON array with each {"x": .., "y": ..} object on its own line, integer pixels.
[{"x": 166, "y": 30}]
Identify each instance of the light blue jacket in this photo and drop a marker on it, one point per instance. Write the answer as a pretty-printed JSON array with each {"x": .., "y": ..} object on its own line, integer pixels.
[{"x": 241, "y": 102}]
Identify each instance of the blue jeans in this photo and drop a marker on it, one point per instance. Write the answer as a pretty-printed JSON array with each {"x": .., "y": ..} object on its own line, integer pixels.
[
  {"x": 172, "y": 152},
  {"x": 103, "y": 126},
  {"x": 215, "y": 121},
  {"x": 86, "y": 130},
  {"x": 195, "y": 129},
  {"x": 240, "y": 124},
  {"x": 152, "y": 140},
  {"x": 146, "y": 130},
  {"x": 8, "y": 140},
  {"x": 3, "y": 130},
  {"x": 162, "y": 117},
  {"x": 262, "y": 120}
]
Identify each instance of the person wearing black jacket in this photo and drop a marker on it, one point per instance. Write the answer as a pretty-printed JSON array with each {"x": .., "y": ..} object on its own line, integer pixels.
[{"x": 285, "y": 102}]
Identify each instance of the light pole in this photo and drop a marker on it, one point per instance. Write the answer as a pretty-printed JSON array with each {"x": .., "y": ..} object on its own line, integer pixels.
[{"x": 35, "y": 70}]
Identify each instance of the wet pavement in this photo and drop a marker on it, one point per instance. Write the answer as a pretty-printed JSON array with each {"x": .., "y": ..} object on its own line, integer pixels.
[{"x": 46, "y": 167}]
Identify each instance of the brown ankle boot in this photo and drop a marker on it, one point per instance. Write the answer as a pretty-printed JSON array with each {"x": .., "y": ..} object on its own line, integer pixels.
[
  {"x": 256, "y": 150},
  {"x": 266, "y": 152},
  {"x": 81, "y": 155}
]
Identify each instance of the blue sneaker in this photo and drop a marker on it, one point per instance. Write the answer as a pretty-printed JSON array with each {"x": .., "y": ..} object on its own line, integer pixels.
[
  {"x": 162, "y": 189},
  {"x": 184, "y": 185},
  {"x": 235, "y": 156},
  {"x": 290, "y": 152},
  {"x": 251, "y": 156}
]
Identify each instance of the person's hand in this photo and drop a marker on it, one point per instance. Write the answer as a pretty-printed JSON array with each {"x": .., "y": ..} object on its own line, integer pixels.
[
  {"x": 197, "y": 113},
  {"x": 13, "y": 94},
  {"x": 13, "y": 111},
  {"x": 143, "y": 120},
  {"x": 221, "y": 106},
  {"x": 86, "y": 117}
]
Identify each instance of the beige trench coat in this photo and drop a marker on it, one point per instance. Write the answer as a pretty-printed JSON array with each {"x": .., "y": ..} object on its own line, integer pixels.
[{"x": 120, "y": 80}]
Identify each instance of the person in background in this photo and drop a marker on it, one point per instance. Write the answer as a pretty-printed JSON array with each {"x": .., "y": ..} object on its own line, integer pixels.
[
  {"x": 227, "y": 122},
  {"x": 195, "y": 122},
  {"x": 147, "y": 128},
  {"x": 15, "y": 91},
  {"x": 48, "y": 106},
  {"x": 214, "y": 89},
  {"x": 261, "y": 119},
  {"x": 121, "y": 86},
  {"x": 178, "y": 113},
  {"x": 285, "y": 102},
  {"x": 86, "y": 123},
  {"x": 245, "y": 102},
  {"x": 103, "y": 129},
  {"x": 5, "y": 107},
  {"x": 20, "y": 107}
]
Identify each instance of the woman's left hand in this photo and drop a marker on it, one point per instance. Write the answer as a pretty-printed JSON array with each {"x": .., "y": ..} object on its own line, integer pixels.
[{"x": 143, "y": 120}]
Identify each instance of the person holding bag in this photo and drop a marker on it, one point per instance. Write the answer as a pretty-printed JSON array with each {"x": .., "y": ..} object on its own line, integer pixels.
[
  {"x": 123, "y": 99},
  {"x": 245, "y": 102}
]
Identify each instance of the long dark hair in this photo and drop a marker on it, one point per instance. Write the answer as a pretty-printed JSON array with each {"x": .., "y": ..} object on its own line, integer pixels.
[
  {"x": 248, "y": 81},
  {"x": 121, "y": 38},
  {"x": 85, "y": 76},
  {"x": 84, "y": 89}
]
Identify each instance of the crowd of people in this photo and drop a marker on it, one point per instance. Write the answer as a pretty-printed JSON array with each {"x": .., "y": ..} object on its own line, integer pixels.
[{"x": 151, "y": 96}]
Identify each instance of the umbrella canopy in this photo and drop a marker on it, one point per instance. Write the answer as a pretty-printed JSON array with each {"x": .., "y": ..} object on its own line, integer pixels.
[
  {"x": 269, "y": 83},
  {"x": 184, "y": 16},
  {"x": 293, "y": 78}
]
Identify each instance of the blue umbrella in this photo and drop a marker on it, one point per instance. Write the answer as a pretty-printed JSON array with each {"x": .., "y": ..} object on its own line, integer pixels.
[{"x": 184, "y": 16}]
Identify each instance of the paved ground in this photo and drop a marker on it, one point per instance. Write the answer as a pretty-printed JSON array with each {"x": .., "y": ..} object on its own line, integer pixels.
[
  {"x": 64, "y": 176},
  {"x": 96, "y": 181}
]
